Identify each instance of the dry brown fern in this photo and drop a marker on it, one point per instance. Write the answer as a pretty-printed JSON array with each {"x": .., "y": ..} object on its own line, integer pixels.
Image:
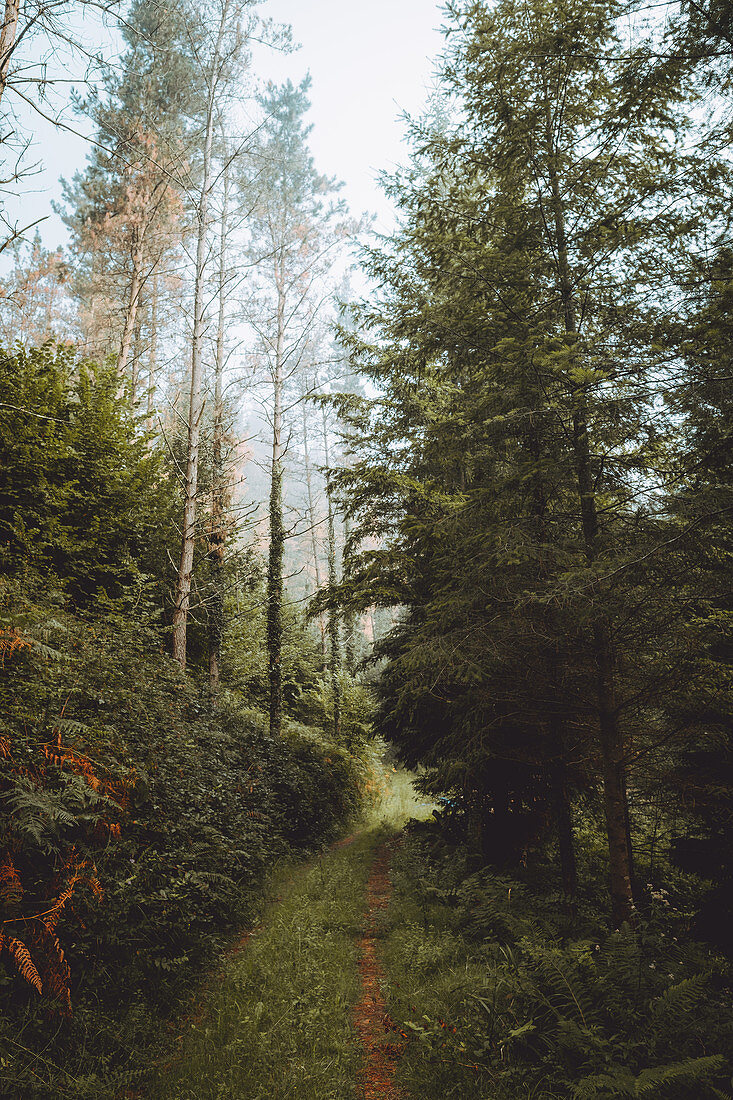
[
  {"x": 23, "y": 961},
  {"x": 11, "y": 888},
  {"x": 10, "y": 641}
]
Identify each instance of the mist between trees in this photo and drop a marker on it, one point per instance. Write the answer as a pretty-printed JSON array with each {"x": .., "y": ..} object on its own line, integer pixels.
[{"x": 485, "y": 510}]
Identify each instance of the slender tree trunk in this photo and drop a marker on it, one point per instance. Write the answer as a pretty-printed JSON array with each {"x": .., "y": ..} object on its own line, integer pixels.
[
  {"x": 153, "y": 354},
  {"x": 133, "y": 302},
  {"x": 333, "y": 618},
  {"x": 135, "y": 362},
  {"x": 348, "y": 618},
  {"x": 218, "y": 481},
  {"x": 185, "y": 569},
  {"x": 611, "y": 738},
  {"x": 277, "y": 532},
  {"x": 7, "y": 40},
  {"x": 312, "y": 524}
]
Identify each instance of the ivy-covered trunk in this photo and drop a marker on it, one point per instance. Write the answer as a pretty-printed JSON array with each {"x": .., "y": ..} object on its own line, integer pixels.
[
  {"x": 312, "y": 524},
  {"x": 334, "y": 638},
  {"x": 277, "y": 533}
]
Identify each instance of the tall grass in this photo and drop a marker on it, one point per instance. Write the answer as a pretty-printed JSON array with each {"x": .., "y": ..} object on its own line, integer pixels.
[{"x": 279, "y": 1025}]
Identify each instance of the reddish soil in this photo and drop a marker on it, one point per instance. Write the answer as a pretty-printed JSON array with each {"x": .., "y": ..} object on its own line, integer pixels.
[{"x": 376, "y": 1031}]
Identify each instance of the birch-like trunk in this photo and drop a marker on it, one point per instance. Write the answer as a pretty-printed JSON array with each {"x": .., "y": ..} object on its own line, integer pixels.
[
  {"x": 611, "y": 739},
  {"x": 218, "y": 480},
  {"x": 135, "y": 362},
  {"x": 153, "y": 353},
  {"x": 133, "y": 302},
  {"x": 185, "y": 569},
  {"x": 8, "y": 35}
]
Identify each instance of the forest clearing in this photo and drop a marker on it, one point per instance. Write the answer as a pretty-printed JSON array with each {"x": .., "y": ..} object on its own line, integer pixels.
[{"x": 366, "y": 550}]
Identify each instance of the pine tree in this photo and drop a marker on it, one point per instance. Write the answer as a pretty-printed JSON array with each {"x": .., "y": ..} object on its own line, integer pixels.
[{"x": 514, "y": 345}]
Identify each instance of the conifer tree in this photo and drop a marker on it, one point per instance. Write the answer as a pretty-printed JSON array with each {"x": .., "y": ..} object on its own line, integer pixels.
[{"x": 514, "y": 347}]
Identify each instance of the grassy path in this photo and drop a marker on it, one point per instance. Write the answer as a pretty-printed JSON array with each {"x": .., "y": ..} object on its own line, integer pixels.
[{"x": 281, "y": 1024}]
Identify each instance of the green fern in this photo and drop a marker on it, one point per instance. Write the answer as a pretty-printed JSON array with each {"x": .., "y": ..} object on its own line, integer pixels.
[
  {"x": 653, "y": 1082},
  {"x": 678, "y": 1001}
]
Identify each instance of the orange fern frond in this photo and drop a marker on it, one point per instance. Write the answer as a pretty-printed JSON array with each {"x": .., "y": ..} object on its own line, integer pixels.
[
  {"x": 55, "y": 968},
  {"x": 10, "y": 884},
  {"x": 5, "y": 748},
  {"x": 24, "y": 963},
  {"x": 10, "y": 641}
]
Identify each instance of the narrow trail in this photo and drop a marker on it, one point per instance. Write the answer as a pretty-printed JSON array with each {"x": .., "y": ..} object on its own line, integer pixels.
[
  {"x": 297, "y": 1011},
  {"x": 373, "y": 1025}
]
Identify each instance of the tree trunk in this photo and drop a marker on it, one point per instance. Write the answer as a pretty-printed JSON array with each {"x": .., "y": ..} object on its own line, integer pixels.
[
  {"x": 277, "y": 534},
  {"x": 312, "y": 525},
  {"x": 333, "y": 618},
  {"x": 611, "y": 739},
  {"x": 218, "y": 481},
  {"x": 135, "y": 363},
  {"x": 7, "y": 40},
  {"x": 153, "y": 354},
  {"x": 348, "y": 617},
  {"x": 185, "y": 569},
  {"x": 133, "y": 302}
]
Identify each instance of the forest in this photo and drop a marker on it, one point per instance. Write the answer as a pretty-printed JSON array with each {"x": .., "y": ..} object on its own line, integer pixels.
[{"x": 366, "y": 594}]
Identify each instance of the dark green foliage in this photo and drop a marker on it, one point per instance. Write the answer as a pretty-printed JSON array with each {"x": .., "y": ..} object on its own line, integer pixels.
[
  {"x": 138, "y": 824},
  {"x": 83, "y": 494},
  {"x": 514, "y": 478},
  {"x": 211, "y": 803},
  {"x": 497, "y": 998}
]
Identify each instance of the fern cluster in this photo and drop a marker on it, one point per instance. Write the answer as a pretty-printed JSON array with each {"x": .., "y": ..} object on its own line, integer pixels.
[{"x": 504, "y": 999}]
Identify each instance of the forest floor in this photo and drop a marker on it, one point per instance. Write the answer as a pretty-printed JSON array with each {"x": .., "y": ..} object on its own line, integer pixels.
[{"x": 298, "y": 1009}]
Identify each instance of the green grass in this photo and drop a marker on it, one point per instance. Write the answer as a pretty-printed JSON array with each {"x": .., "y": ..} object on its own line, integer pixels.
[{"x": 279, "y": 1025}]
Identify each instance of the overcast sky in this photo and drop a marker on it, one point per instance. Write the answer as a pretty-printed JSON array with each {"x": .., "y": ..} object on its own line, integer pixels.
[{"x": 369, "y": 63}]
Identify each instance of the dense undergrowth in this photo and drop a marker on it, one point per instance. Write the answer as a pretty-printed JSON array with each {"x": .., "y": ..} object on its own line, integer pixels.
[
  {"x": 160, "y": 815},
  {"x": 140, "y": 817},
  {"x": 502, "y": 992}
]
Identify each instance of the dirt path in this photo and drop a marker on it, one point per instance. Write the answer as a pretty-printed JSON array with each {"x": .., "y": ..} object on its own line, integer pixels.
[
  {"x": 374, "y": 1028},
  {"x": 297, "y": 1010}
]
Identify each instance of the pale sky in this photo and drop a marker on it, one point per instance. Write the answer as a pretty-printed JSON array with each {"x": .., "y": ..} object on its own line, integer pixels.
[{"x": 369, "y": 63}]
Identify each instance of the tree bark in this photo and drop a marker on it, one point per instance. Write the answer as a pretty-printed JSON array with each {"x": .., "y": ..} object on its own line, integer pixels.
[
  {"x": 348, "y": 617},
  {"x": 135, "y": 364},
  {"x": 133, "y": 302},
  {"x": 218, "y": 481},
  {"x": 277, "y": 532},
  {"x": 8, "y": 35},
  {"x": 333, "y": 618},
  {"x": 153, "y": 354},
  {"x": 185, "y": 569},
  {"x": 611, "y": 738},
  {"x": 312, "y": 525}
]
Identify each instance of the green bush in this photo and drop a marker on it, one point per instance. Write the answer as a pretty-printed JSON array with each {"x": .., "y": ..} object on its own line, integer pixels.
[
  {"x": 502, "y": 997},
  {"x": 114, "y": 764}
]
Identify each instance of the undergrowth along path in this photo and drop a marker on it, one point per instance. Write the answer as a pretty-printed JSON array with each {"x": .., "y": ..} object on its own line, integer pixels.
[{"x": 280, "y": 1024}]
